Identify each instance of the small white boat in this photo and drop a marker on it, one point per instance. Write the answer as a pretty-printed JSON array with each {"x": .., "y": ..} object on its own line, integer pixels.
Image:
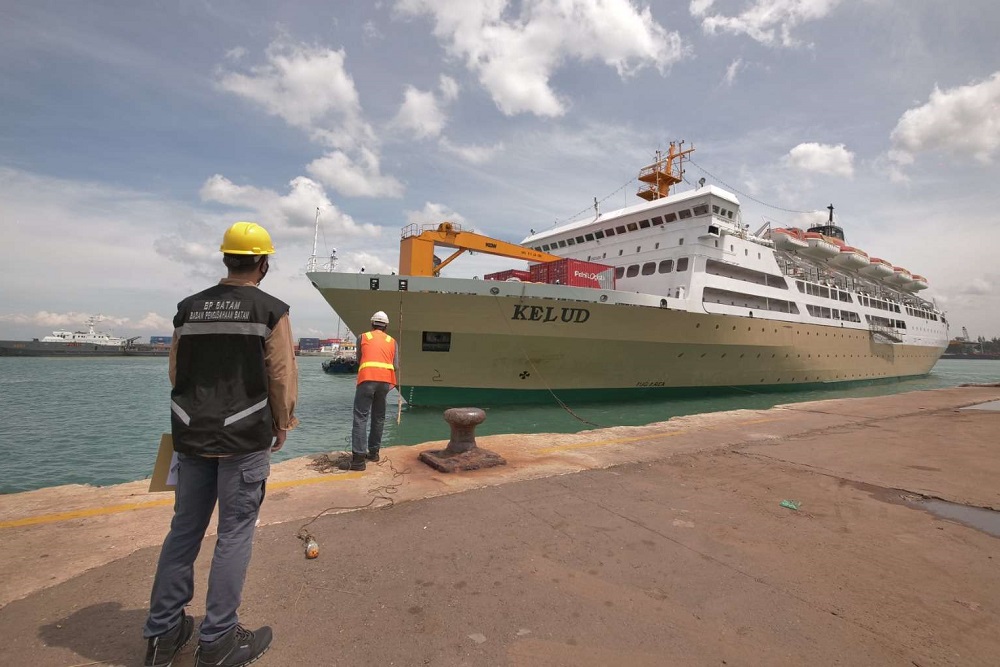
[
  {"x": 790, "y": 239},
  {"x": 918, "y": 283},
  {"x": 900, "y": 276},
  {"x": 878, "y": 268},
  {"x": 820, "y": 246},
  {"x": 851, "y": 258}
]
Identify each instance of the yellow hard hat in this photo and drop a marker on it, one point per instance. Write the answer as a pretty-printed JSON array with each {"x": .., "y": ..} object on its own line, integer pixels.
[{"x": 247, "y": 238}]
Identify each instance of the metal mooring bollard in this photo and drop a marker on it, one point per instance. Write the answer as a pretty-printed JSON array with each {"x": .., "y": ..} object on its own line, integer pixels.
[{"x": 462, "y": 452}]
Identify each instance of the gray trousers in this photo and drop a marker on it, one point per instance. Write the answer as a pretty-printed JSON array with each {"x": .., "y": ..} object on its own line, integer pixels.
[
  {"x": 368, "y": 397},
  {"x": 237, "y": 482}
]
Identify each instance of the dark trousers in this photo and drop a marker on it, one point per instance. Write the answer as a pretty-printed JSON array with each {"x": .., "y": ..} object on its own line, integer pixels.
[
  {"x": 237, "y": 482},
  {"x": 369, "y": 397}
]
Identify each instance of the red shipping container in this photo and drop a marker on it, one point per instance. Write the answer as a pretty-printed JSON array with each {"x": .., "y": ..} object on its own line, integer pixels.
[
  {"x": 578, "y": 273},
  {"x": 508, "y": 274},
  {"x": 539, "y": 273}
]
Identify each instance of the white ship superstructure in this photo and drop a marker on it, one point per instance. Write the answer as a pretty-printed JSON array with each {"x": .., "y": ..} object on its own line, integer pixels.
[
  {"x": 699, "y": 302},
  {"x": 88, "y": 337}
]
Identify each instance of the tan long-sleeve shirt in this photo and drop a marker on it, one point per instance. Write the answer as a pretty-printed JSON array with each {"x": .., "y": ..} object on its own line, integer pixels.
[{"x": 282, "y": 369}]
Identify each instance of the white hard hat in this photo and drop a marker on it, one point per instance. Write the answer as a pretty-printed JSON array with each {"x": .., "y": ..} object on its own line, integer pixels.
[{"x": 380, "y": 318}]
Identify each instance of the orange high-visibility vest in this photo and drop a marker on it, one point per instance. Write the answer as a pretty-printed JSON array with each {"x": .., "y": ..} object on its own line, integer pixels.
[{"x": 378, "y": 352}]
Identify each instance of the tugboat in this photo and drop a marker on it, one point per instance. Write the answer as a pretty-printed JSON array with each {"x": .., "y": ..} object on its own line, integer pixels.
[
  {"x": 344, "y": 360},
  {"x": 341, "y": 365}
]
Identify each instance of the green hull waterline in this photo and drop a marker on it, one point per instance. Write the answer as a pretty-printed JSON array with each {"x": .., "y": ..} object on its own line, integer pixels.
[{"x": 478, "y": 397}]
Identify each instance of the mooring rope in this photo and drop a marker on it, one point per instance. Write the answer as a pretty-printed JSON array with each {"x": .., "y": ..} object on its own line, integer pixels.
[{"x": 541, "y": 377}]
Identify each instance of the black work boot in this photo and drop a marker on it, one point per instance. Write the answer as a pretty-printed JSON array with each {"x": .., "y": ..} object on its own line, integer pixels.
[
  {"x": 236, "y": 648},
  {"x": 372, "y": 454},
  {"x": 357, "y": 462},
  {"x": 160, "y": 650}
]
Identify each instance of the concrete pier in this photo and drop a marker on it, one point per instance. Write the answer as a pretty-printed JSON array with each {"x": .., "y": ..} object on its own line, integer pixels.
[{"x": 655, "y": 545}]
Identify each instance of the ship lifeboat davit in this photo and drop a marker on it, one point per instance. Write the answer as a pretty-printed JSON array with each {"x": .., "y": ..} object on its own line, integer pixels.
[
  {"x": 878, "y": 268},
  {"x": 820, "y": 246},
  {"x": 918, "y": 283},
  {"x": 900, "y": 276},
  {"x": 791, "y": 239},
  {"x": 851, "y": 258}
]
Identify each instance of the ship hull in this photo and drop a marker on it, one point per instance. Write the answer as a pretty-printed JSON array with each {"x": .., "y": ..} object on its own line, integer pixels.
[
  {"x": 511, "y": 348},
  {"x": 20, "y": 348}
]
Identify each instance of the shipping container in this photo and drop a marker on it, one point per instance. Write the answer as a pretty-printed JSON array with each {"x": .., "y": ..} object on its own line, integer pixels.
[
  {"x": 309, "y": 344},
  {"x": 508, "y": 274},
  {"x": 160, "y": 340},
  {"x": 539, "y": 273},
  {"x": 578, "y": 273}
]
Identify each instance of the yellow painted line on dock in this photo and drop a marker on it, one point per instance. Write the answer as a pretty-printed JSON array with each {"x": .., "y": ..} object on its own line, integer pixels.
[
  {"x": 149, "y": 504},
  {"x": 651, "y": 436},
  {"x": 313, "y": 480}
]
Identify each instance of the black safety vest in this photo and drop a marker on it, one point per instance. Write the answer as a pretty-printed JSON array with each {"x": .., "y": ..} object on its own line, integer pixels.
[{"x": 219, "y": 401}]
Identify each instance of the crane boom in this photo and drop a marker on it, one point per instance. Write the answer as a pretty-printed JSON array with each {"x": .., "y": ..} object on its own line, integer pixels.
[{"x": 416, "y": 248}]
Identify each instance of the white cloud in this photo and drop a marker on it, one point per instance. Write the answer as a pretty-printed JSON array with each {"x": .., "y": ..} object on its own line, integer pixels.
[
  {"x": 235, "y": 54},
  {"x": 355, "y": 179},
  {"x": 980, "y": 286},
  {"x": 449, "y": 88},
  {"x": 471, "y": 153},
  {"x": 354, "y": 261},
  {"x": 822, "y": 159},
  {"x": 769, "y": 22},
  {"x": 420, "y": 114},
  {"x": 45, "y": 320},
  {"x": 433, "y": 214},
  {"x": 290, "y": 215},
  {"x": 961, "y": 121},
  {"x": 309, "y": 88},
  {"x": 516, "y": 57},
  {"x": 371, "y": 32},
  {"x": 732, "y": 71}
]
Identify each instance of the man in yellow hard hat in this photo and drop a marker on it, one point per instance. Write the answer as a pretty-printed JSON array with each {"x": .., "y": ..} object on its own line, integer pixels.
[
  {"x": 378, "y": 356},
  {"x": 235, "y": 383}
]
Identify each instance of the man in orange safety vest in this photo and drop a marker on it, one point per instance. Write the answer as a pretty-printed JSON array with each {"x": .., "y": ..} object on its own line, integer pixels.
[{"x": 378, "y": 355}]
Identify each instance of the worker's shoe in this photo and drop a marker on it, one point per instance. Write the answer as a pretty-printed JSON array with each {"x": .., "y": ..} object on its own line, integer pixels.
[
  {"x": 372, "y": 454},
  {"x": 160, "y": 650},
  {"x": 236, "y": 648},
  {"x": 356, "y": 462}
]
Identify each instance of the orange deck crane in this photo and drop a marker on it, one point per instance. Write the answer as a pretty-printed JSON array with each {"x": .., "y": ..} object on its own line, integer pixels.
[{"x": 416, "y": 248}]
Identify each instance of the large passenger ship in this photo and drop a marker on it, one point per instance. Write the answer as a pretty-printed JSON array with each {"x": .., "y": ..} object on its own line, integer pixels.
[{"x": 698, "y": 302}]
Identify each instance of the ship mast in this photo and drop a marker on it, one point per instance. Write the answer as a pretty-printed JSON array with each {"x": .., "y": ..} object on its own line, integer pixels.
[
  {"x": 311, "y": 266},
  {"x": 661, "y": 175}
]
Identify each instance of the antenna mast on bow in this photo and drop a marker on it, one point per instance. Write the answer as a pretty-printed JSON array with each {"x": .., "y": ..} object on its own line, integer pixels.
[{"x": 311, "y": 266}]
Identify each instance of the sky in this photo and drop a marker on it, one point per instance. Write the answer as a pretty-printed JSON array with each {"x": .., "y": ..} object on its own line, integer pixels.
[{"x": 133, "y": 134}]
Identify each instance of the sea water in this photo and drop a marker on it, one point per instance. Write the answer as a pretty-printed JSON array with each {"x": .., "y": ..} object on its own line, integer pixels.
[{"x": 98, "y": 421}]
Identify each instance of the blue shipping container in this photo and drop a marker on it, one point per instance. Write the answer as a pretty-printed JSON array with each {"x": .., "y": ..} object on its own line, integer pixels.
[
  {"x": 309, "y": 344},
  {"x": 160, "y": 340}
]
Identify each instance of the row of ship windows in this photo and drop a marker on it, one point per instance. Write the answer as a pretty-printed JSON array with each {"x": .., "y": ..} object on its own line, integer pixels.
[
  {"x": 916, "y": 312},
  {"x": 649, "y": 268},
  {"x": 727, "y": 297},
  {"x": 878, "y": 303},
  {"x": 683, "y": 214},
  {"x": 885, "y": 322},
  {"x": 833, "y": 313},
  {"x": 823, "y": 291},
  {"x": 840, "y": 295}
]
